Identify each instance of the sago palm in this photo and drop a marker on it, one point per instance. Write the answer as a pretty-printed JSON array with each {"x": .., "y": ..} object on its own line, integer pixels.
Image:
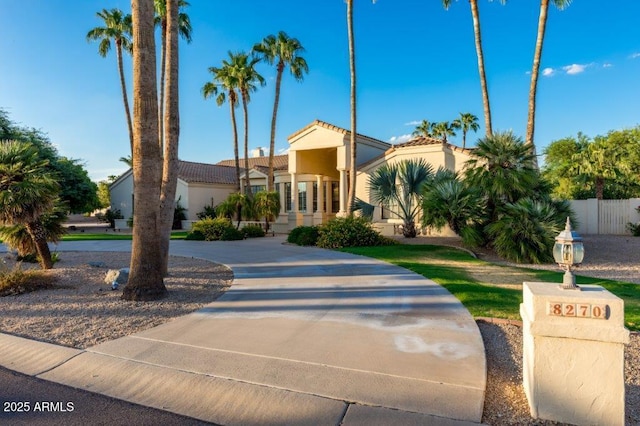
[
  {"x": 284, "y": 51},
  {"x": 117, "y": 28},
  {"x": 27, "y": 191},
  {"x": 401, "y": 184},
  {"x": 224, "y": 88}
]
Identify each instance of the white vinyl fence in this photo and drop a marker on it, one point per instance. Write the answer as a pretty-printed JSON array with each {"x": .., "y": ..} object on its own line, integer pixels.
[{"x": 605, "y": 216}]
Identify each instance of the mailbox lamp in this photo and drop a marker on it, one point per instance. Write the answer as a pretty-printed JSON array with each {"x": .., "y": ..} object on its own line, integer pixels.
[{"x": 568, "y": 252}]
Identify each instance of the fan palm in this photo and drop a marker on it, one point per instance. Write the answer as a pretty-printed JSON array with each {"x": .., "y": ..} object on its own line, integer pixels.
[
  {"x": 423, "y": 129},
  {"x": 224, "y": 88},
  {"x": 27, "y": 191},
  {"x": 117, "y": 27},
  {"x": 503, "y": 168},
  {"x": 479, "y": 53},
  {"x": 401, "y": 184},
  {"x": 466, "y": 122},
  {"x": 542, "y": 24},
  {"x": 443, "y": 130},
  {"x": 244, "y": 71},
  {"x": 283, "y": 51},
  {"x": 184, "y": 29}
]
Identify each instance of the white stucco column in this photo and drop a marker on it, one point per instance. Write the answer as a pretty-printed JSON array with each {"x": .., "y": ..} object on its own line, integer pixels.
[
  {"x": 343, "y": 193},
  {"x": 319, "y": 185},
  {"x": 294, "y": 193}
]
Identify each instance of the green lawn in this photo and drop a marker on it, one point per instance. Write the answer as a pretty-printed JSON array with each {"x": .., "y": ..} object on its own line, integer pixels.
[
  {"x": 178, "y": 235},
  {"x": 486, "y": 289}
]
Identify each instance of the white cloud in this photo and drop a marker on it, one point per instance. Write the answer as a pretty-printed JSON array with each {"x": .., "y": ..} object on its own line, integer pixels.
[
  {"x": 548, "y": 72},
  {"x": 413, "y": 123},
  {"x": 607, "y": 65},
  {"x": 400, "y": 139},
  {"x": 282, "y": 151},
  {"x": 574, "y": 69},
  {"x": 635, "y": 55}
]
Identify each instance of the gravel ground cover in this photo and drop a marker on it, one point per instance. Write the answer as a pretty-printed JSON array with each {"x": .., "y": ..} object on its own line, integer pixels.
[{"x": 83, "y": 311}]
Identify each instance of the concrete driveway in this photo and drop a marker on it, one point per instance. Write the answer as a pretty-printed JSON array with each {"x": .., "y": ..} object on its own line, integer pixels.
[{"x": 304, "y": 336}]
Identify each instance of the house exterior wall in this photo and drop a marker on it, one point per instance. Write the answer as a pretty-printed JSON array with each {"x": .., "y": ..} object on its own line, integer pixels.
[
  {"x": 203, "y": 194},
  {"x": 121, "y": 194}
]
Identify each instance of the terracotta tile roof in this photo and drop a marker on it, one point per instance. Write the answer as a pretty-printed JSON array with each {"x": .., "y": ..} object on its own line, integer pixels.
[
  {"x": 206, "y": 173},
  {"x": 419, "y": 141},
  {"x": 280, "y": 162},
  {"x": 334, "y": 128}
]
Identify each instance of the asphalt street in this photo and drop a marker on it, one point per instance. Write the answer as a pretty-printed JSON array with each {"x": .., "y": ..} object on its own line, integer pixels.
[{"x": 26, "y": 400}]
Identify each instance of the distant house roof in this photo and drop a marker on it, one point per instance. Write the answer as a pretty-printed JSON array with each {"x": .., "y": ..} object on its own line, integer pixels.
[
  {"x": 280, "y": 162},
  {"x": 206, "y": 173},
  {"x": 329, "y": 126}
]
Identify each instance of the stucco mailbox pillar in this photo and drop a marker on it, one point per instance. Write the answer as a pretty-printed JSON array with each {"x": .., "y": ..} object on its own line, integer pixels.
[{"x": 573, "y": 354}]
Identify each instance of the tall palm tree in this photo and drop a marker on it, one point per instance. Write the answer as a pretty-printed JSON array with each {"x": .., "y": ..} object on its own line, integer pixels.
[
  {"x": 283, "y": 51},
  {"x": 223, "y": 87},
  {"x": 423, "y": 129},
  {"x": 184, "y": 28},
  {"x": 27, "y": 191},
  {"x": 146, "y": 274},
  {"x": 171, "y": 126},
  {"x": 479, "y": 53},
  {"x": 117, "y": 27},
  {"x": 243, "y": 68},
  {"x": 442, "y": 130},
  {"x": 542, "y": 25},
  {"x": 466, "y": 122},
  {"x": 401, "y": 184},
  {"x": 352, "y": 141}
]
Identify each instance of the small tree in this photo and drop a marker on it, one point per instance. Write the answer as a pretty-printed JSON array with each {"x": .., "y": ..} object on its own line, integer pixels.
[{"x": 267, "y": 205}]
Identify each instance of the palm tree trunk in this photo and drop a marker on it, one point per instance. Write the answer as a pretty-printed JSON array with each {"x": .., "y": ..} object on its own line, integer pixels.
[
  {"x": 163, "y": 59},
  {"x": 172, "y": 126},
  {"x": 464, "y": 139},
  {"x": 542, "y": 24},
  {"x": 236, "y": 154},
  {"x": 272, "y": 142},
  {"x": 483, "y": 77},
  {"x": 39, "y": 237},
  {"x": 145, "y": 278},
  {"x": 125, "y": 98},
  {"x": 247, "y": 189},
  {"x": 353, "y": 146},
  {"x": 599, "y": 188}
]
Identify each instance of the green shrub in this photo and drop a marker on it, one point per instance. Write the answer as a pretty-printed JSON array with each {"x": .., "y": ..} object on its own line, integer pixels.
[
  {"x": 178, "y": 216},
  {"x": 195, "y": 236},
  {"x": 110, "y": 217},
  {"x": 207, "y": 212},
  {"x": 304, "y": 235},
  {"x": 253, "y": 231},
  {"x": 349, "y": 232},
  {"x": 17, "y": 281},
  {"x": 211, "y": 229},
  {"x": 232, "y": 234},
  {"x": 634, "y": 228}
]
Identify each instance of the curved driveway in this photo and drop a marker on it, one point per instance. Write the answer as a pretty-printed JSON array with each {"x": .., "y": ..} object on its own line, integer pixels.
[{"x": 304, "y": 336}]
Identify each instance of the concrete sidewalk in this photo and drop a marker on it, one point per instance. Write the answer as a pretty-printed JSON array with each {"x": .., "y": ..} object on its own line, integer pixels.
[{"x": 304, "y": 336}]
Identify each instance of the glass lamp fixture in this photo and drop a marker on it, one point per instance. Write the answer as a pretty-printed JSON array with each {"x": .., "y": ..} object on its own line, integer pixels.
[{"x": 568, "y": 252}]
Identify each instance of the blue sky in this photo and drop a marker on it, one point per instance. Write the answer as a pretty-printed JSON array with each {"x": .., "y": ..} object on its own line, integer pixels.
[{"x": 415, "y": 61}]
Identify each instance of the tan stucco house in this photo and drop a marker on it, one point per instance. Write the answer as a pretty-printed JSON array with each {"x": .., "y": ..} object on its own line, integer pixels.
[{"x": 312, "y": 178}]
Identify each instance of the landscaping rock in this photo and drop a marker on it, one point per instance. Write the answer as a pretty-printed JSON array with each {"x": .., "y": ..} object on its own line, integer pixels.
[{"x": 117, "y": 277}]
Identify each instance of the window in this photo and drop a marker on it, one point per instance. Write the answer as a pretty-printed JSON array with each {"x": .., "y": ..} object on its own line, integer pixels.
[
  {"x": 335, "y": 197},
  {"x": 287, "y": 196},
  {"x": 388, "y": 211},
  {"x": 257, "y": 188},
  {"x": 302, "y": 197},
  {"x": 315, "y": 197}
]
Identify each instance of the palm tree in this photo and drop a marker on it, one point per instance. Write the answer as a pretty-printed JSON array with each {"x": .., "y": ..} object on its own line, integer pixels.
[
  {"x": 352, "y": 141},
  {"x": 184, "y": 28},
  {"x": 243, "y": 69},
  {"x": 442, "y": 130},
  {"x": 466, "y": 122},
  {"x": 224, "y": 79},
  {"x": 598, "y": 161},
  {"x": 267, "y": 205},
  {"x": 117, "y": 28},
  {"x": 401, "y": 184},
  {"x": 423, "y": 129},
  {"x": 27, "y": 191},
  {"x": 171, "y": 124},
  {"x": 483, "y": 78},
  {"x": 146, "y": 269},
  {"x": 542, "y": 24},
  {"x": 284, "y": 51}
]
